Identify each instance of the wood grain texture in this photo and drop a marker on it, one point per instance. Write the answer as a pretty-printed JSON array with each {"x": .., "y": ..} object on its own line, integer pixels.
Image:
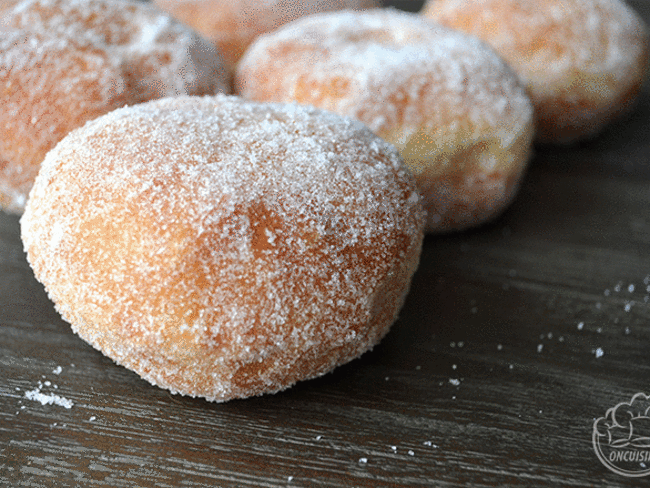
[{"x": 487, "y": 379}]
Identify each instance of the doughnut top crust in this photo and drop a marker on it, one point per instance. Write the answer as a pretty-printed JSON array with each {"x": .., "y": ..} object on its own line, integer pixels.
[
  {"x": 409, "y": 80},
  {"x": 583, "y": 60},
  {"x": 223, "y": 248},
  {"x": 232, "y": 26},
  {"x": 160, "y": 56}
]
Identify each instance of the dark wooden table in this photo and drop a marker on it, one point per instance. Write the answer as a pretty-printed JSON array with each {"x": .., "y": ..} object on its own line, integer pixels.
[{"x": 514, "y": 339}]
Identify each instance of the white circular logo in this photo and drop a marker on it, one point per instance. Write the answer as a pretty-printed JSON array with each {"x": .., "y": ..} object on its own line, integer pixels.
[{"x": 621, "y": 438}]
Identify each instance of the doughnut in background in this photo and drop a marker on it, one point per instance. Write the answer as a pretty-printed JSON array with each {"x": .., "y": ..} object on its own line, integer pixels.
[
  {"x": 233, "y": 25},
  {"x": 64, "y": 62},
  {"x": 458, "y": 114},
  {"x": 584, "y": 61}
]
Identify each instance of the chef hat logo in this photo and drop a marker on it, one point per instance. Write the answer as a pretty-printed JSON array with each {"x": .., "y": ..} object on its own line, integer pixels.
[
  {"x": 622, "y": 436},
  {"x": 627, "y": 424}
]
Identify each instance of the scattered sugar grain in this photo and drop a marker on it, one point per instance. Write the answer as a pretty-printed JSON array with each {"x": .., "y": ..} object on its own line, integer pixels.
[
  {"x": 363, "y": 460},
  {"x": 581, "y": 325},
  {"x": 57, "y": 370},
  {"x": 599, "y": 353},
  {"x": 540, "y": 347},
  {"x": 454, "y": 381},
  {"x": 411, "y": 452},
  {"x": 51, "y": 399}
]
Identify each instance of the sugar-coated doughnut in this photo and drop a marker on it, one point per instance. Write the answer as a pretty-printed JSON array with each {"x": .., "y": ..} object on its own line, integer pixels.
[
  {"x": 159, "y": 55},
  {"x": 233, "y": 25},
  {"x": 223, "y": 248},
  {"x": 584, "y": 61},
  {"x": 38, "y": 109},
  {"x": 457, "y": 113},
  {"x": 65, "y": 62}
]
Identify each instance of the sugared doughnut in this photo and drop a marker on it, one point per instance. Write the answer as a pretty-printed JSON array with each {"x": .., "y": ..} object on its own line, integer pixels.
[
  {"x": 233, "y": 25},
  {"x": 457, "y": 113},
  {"x": 65, "y": 62},
  {"x": 38, "y": 109},
  {"x": 584, "y": 61},
  {"x": 223, "y": 248}
]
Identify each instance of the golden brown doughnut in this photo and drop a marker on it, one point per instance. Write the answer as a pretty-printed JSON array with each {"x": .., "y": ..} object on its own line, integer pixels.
[
  {"x": 458, "y": 114},
  {"x": 233, "y": 25},
  {"x": 65, "y": 62},
  {"x": 223, "y": 248},
  {"x": 584, "y": 61}
]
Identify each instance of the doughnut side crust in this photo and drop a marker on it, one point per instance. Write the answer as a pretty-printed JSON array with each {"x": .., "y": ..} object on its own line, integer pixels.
[
  {"x": 225, "y": 249},
  {"x": 584, "y": 61},
  {"x": 460, "y": 117},
  {"x": 38, "y": 109},
  {"x": 159, "y": 55}
]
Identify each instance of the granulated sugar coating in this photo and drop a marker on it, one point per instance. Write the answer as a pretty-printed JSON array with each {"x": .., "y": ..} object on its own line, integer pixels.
[
  {"x": 63, "y": 63},
  {"x": 458, "y": 114},
  {"x": 221, "y": 248},
  {"x": 584, "y": 61}
]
